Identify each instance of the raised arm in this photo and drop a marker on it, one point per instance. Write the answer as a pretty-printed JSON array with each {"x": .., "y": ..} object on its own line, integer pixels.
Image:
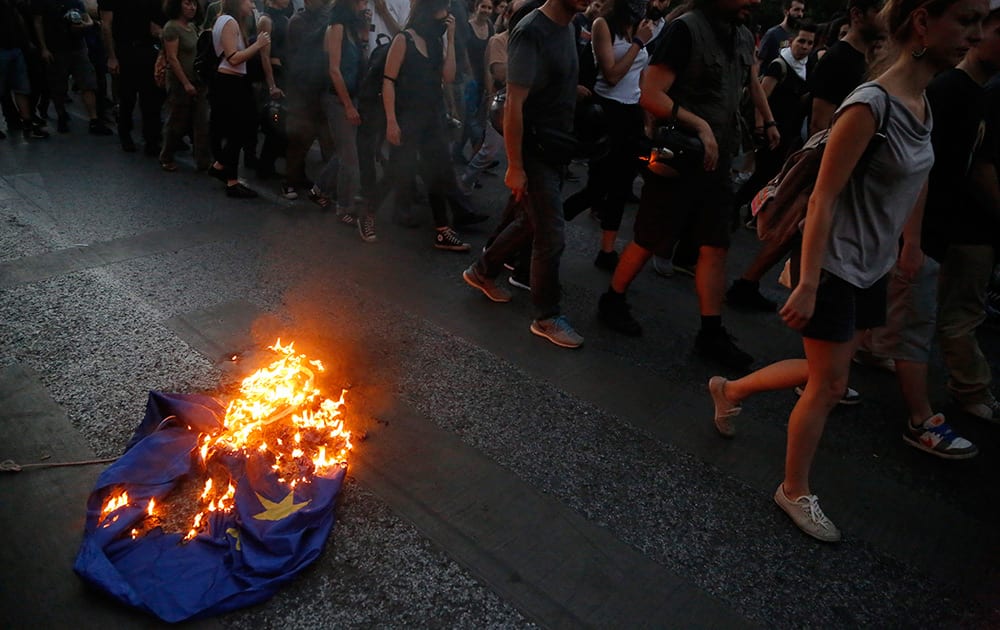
[{"x": 230, "y": 38}]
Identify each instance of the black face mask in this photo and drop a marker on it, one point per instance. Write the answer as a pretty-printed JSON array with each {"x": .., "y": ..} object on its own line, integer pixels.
[{"x": 431, "y": 28}]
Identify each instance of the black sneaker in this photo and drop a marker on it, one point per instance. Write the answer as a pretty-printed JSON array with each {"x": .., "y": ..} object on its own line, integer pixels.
[
  {"x": 34, "y": 132},
  {"x": 613, "y": 311},
  {"x": 606, "y": 260},
  {"x": 718, "y": 346},
  {"x": 3, "y": 136},
  {"x": 62, "y": 124},
  {"x": 128, "y": 145},
  {"x": 239, "y": 191},
  {"x": 98, "y": 128},
  {"x": 746, "y": 295},
  {"x": 448, "y": 239}
]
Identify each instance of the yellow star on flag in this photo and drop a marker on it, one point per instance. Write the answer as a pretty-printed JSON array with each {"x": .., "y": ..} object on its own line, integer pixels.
[
  {"x": 235, "y": 533},
  {"x": 277, "y": 511}
]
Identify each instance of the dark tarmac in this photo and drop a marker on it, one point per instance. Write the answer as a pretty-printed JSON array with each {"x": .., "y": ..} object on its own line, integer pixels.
[{"x": 502, "y": 481}]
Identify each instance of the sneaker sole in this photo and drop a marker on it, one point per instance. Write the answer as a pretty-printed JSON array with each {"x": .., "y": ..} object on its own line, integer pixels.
[
  {"x": 517, "y": 283},
  {"x": 471, "y": 281},
  {"x": 452, "y": 248},
  {"x": 561, "y": 344},
  {"x": 917, "y": 444}
]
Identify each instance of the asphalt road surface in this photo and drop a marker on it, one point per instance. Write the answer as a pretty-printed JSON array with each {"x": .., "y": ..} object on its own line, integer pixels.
[{"x": 502, "y": 481}]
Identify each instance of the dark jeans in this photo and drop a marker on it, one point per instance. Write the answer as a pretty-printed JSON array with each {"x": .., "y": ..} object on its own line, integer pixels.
[
  {"x": 233, "y": 119},
  {"x": 425, "y": 147},
  {"x": 135, "y": 84},
  {"x": 371, "y": 133},
  {"x": 538, "y": 222},
  {"x": 610, "y": 176},
  {"x": 306, "y": 124}
]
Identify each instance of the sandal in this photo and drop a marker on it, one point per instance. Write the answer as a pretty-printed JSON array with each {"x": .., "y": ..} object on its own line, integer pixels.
[{"x": 169, "y": 167}]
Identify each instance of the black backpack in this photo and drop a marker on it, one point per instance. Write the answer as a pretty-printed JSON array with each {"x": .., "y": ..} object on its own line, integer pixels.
[
  {"x": 370, "y": 90},
  {"x": 206, "y": 62}
]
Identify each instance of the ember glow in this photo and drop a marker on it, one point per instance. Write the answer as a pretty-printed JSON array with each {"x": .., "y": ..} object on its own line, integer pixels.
[{"x": 279, "y": 415}]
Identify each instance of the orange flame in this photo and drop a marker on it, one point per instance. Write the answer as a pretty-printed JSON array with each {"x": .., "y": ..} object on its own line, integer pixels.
[
  {"x": 278, "y": 405},
  {"x": 279, "y": 415}
]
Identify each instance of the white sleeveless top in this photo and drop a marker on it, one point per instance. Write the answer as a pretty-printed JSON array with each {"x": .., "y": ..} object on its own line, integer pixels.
[
  {"x": 220, "y": 23},
  {"x": 627, "y": 89}
]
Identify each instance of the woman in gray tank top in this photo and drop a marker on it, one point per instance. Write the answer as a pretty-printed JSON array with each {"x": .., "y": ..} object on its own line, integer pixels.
[{"x": 855, "y": 219}]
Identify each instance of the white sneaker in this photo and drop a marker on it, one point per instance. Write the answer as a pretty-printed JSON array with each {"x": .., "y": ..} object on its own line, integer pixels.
[
  {"x": 724, "y": 408},
  {"x": 989, "y": 411},
  {"x": 663, "y": 266},
  {"x": 807, "y": 515}
]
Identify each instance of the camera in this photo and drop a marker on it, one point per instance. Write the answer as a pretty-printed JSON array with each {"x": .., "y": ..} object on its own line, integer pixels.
[
  {"x": 73, "y": 16},
  {"x": 659, "y": 161}
]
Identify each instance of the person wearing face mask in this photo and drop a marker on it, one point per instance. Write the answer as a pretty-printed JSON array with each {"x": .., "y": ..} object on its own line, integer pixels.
[{"x": 419, "y": 60}]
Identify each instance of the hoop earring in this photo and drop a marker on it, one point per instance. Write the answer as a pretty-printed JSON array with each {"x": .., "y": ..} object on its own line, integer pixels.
[{"x": 918, "y": 54}]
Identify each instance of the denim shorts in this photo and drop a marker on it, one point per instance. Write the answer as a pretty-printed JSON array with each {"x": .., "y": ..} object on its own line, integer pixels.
[
  {"x": 14, "y": 72},
  {"x": 843, "y": 309}
]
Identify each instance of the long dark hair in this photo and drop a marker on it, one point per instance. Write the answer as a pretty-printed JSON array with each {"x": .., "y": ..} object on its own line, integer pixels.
[
  {"x": 421, "y": 16},
  {"x": 620, "y": 19},
  {"x": 346, "y": 12}
]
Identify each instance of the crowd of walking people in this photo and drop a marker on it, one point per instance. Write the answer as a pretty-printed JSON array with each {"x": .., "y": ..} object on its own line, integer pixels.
[{"x": 896, "y": 105}]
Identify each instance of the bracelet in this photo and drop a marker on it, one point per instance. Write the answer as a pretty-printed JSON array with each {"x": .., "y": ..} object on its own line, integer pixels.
[
  {"x": 638, "y": 42},
  {"x": 769, "y": 124}
]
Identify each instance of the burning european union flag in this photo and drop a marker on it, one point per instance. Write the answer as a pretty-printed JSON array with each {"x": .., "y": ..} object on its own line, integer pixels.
[{"x": 212, "y": 509}]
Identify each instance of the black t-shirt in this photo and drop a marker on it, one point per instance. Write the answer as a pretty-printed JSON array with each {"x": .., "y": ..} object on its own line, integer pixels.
[
  {"x": 59, "y": 37},
  {"x": 477, "y": 51},
  {"x": 12, "y": 34},
  {"x": 542, "y": 57},
  {"x": 957, "y": 212},
  {"x": 788, "y": 100},
  {"x": 773, "y": 41},
  {"x": 131, "y": 18},
  {"x": 840, "y": 70},
  {"x": 674, "y": 50}
]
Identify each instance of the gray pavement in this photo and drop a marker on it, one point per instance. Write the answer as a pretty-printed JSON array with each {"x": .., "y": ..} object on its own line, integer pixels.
[{"x": 501, "y": 481}]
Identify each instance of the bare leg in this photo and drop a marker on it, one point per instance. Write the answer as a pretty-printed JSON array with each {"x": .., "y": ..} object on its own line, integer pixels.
[
  {"x": 90, "y": 104},
  {"x": 608, "y": 240},
  {"x": 829, "y": 364},
  {"x": 781, "y": 375},
  {"x": 634, "y": 257},
  {"x": 710, "y": 279},
  {"x": 913, "y": 384}
]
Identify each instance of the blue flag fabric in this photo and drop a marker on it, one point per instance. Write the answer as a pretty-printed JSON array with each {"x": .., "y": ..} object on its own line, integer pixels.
[{"x": 240, "y": 559}]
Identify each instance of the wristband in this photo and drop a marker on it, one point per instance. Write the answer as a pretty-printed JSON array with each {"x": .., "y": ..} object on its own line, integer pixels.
[
  {"x": 638, "y": 42},
  {"x": 769, "y": 124}
]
